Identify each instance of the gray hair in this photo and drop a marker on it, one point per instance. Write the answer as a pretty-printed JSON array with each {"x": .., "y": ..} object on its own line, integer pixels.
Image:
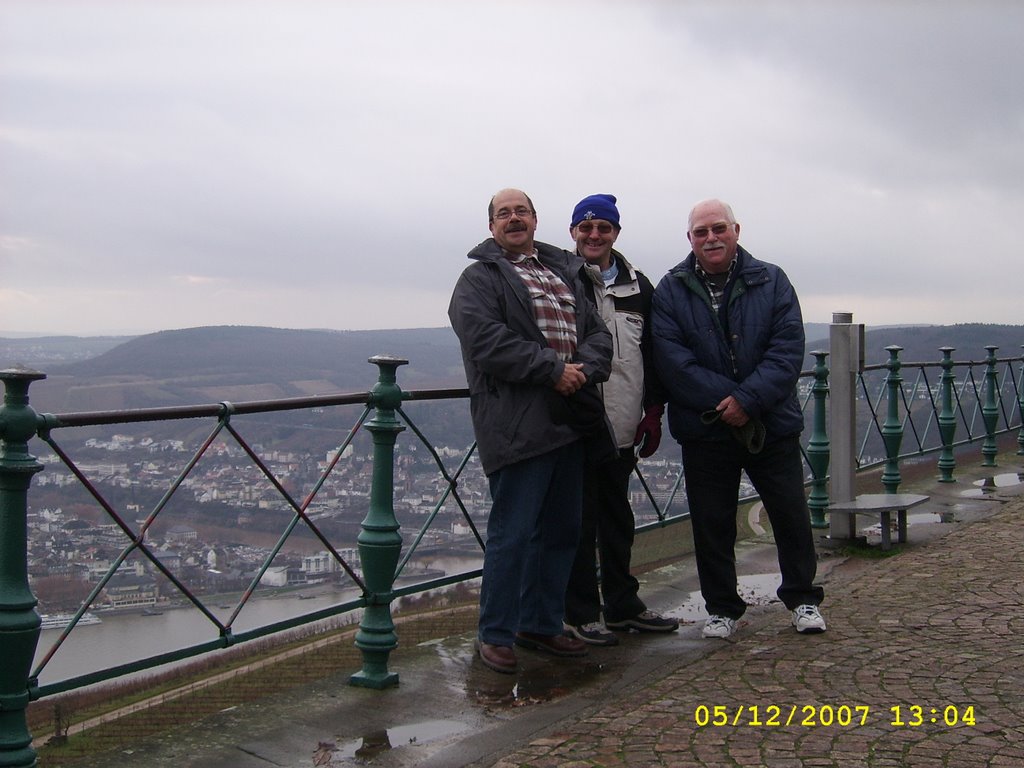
[{"x": 730, "y": 217}]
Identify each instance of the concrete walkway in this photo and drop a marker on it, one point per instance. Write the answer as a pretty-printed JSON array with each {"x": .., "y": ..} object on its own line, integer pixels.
[{"x": 922, "y": 665}]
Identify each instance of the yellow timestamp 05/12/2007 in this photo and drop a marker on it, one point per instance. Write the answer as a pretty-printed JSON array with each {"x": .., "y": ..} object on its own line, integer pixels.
[{"x": 826, "y": 715}]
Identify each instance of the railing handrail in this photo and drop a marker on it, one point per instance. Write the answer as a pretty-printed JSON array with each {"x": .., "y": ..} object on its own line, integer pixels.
[{"x": 18, "y": 423}]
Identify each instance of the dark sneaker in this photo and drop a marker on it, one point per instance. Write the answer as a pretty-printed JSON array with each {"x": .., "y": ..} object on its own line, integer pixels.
[
  {"x": 594, "y": 633},
  {"x": 646, "y": 621}
]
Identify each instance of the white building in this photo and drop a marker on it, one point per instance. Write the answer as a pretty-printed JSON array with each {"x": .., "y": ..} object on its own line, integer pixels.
[{"x": 276, "y": 576}]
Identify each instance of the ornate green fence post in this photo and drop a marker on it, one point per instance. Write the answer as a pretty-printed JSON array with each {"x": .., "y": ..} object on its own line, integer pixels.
[
  {"x": 892, "y": 429},
  {"x": 380, "y": 544},
  {"x": 818, "y": 450},
  {"x": 19, "y": 622},
  {"x": 990, "y": 411},
  {"x": 947, "y": 417},
  {"x": 1020, "y": 407}
]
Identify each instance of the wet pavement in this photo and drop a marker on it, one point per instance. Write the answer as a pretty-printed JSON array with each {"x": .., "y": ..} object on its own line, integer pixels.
[{"x": 922, "y": 665}]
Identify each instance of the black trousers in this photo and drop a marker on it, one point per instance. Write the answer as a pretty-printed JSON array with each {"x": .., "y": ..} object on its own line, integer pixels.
[
  {"x": 712, "y": 472},
  {"x": 607, "y": 533}
]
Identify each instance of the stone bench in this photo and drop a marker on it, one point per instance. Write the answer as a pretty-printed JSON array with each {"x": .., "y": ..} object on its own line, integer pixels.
[{"x": 882, "y": 504}]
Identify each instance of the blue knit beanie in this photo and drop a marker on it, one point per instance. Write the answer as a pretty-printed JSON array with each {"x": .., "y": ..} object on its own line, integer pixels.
[{"x": 596, "y": 207}]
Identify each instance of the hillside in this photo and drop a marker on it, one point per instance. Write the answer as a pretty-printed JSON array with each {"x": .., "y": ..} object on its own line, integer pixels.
[
  {"x": 43, "y": 352},
  {"x": 921, "y": 344},
  {"x": 240, "y": 363}
]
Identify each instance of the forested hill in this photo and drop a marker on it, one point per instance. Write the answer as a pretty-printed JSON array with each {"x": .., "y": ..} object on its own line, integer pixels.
[
  {"x": 921, "y": 344},
  {"x": 239, "y": 363},
  {"x": 247, "y": 353}
]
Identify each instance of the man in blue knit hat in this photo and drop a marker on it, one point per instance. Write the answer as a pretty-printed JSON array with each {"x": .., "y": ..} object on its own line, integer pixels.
[{"x": 633, "y": 402}]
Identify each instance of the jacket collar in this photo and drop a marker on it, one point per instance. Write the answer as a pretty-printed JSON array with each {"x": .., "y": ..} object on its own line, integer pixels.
[
  {"x": 549, "y": 255},
  {"x": 743, "y": 262},
  {"x": 626, "y": 275}
]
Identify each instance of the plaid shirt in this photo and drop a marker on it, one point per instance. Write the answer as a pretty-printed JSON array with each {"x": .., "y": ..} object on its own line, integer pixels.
[
  {"x": 554, "y": 304},
  {"x": 716, "y": 285}
]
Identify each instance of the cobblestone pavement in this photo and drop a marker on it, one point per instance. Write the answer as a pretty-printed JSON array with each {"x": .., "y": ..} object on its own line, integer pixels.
[{"x": 922, "y": 665}]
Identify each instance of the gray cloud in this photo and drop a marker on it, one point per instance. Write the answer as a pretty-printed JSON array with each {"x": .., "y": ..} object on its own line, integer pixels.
[{"x": 318, "y": 164}]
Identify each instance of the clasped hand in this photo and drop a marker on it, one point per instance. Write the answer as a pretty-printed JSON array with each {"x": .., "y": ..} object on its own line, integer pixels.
[{"x": 572, "y": 379}]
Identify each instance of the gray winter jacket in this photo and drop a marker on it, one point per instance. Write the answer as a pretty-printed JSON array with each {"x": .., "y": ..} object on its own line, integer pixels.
[
  {"x": 510, "y": 368},
  {"x": 625, "y": 308}
]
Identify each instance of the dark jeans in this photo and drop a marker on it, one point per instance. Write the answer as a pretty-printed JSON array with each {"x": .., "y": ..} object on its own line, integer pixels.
[
  {"x": 532, "y": 534},
  {"x": 607, "y": 531},
  {"x": 712, "y": 472}
]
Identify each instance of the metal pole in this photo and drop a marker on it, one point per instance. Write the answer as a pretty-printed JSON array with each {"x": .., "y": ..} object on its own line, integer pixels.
[
  {"x": 817, "y": 446},
  {"x": 990, "y": 410},
  {"x": 846, "y": 344},
  {"x": 19, "y": 621},
  {"x": 892, "y": 427},
  {"x": 1020, "y": 408},
  {"x": 947, "y": 418},
  {"x": 380, "y": 543}
]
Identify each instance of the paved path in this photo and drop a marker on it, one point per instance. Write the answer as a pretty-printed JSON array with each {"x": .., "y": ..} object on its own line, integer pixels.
[{"x": 922, "y": 666}]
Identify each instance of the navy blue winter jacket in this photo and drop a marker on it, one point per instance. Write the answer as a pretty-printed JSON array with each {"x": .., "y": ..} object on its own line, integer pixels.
[{"x": 694, "y": 352}]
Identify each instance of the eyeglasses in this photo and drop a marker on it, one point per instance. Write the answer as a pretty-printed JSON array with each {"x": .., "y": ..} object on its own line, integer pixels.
[
  {"x": 719, "y": 229},
  {"x": 522, "y": 212},
  {"x": 586, "y": 227}
]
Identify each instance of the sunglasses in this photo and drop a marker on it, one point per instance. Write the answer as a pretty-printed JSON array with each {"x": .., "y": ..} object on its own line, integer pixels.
[
  {"x": 586, "y": 227},
  {"x": 717, "y": 229}
]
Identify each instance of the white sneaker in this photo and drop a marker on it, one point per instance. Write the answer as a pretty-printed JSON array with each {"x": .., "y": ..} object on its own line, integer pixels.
[
  {"x": 719, "y": 626},
  {"x": 808, "y": 619}
]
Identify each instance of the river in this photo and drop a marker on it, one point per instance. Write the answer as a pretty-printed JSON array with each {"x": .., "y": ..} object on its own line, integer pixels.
[{"x": 125, "y": 637}]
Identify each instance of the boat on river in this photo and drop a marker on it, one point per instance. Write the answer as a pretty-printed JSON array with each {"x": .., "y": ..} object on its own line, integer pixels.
[{"x": 61, "y": 620}]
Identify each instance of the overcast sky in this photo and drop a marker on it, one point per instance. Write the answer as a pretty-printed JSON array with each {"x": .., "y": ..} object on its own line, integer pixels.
[{"x": 328, "y": 164}]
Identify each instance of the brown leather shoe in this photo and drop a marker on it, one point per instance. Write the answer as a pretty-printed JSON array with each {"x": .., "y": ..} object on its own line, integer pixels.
[
  {"x": 556, "y": 645},
  {"x": 500, "y": 658}
]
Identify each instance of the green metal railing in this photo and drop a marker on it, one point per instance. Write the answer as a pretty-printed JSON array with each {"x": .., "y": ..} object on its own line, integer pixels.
[
  {"x": 986, "y": 401},
  {"x": 929, "y": 410},
  {"x": 904, "y": 405}
]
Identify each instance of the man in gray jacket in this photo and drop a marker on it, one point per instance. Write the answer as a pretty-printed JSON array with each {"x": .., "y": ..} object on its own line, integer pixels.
[{"x": 534, "y": 348}]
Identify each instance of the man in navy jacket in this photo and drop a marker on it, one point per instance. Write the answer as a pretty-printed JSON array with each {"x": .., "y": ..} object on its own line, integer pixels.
[{"x": 728, "y": 345}]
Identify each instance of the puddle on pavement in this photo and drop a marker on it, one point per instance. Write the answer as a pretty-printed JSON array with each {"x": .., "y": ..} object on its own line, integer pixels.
[
  {"x": 465, "y": 675},
  {"x": 757, "y": 589},
  {"x": 992, "y": 484},
  {"x": 373, "y": 744},
  {"x": 913, "y": 518},
  {"x": 532, "y": 685}
]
